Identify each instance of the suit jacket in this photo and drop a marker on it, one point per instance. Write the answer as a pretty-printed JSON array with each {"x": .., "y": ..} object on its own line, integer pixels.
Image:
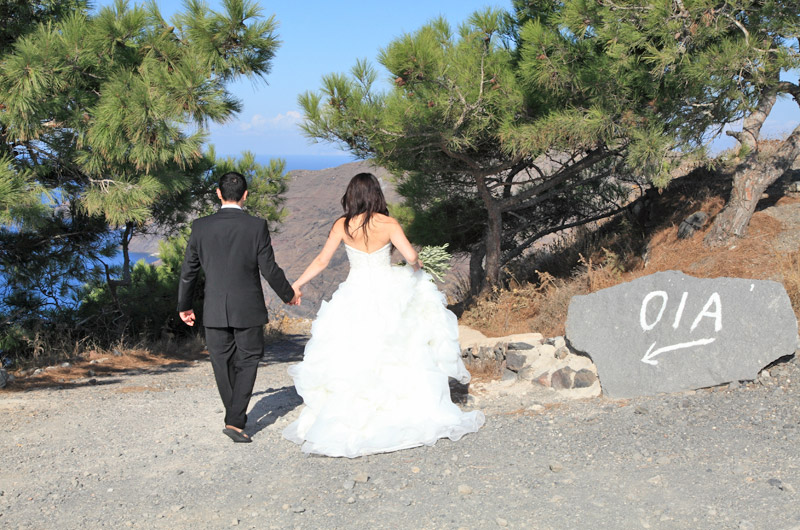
[{"x": 231, "y": 246}]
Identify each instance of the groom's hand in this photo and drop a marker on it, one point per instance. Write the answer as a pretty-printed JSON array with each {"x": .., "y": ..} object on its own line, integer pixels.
[
  {"x": 297, "y": 297},
  {"x": 187, "y": 317}
]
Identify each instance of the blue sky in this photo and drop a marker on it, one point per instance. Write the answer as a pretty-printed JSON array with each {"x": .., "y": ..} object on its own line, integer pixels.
[
  {"x": 320, "y": 37},
  {"x": 317, "y": 38}
]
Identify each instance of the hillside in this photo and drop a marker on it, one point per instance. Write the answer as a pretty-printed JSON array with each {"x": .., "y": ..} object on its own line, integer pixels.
[{"x": 313, "y": 202}]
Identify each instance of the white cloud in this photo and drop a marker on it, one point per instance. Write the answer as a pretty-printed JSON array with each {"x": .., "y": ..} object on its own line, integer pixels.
[{"x": 260, "y": 123}]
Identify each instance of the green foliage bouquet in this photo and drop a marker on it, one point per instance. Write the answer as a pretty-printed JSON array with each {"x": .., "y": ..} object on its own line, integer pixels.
[{"x": 435, "y": 260}]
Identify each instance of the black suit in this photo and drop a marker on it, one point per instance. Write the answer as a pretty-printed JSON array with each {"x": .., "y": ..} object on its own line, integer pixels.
[{"x": 231, "y": 247}]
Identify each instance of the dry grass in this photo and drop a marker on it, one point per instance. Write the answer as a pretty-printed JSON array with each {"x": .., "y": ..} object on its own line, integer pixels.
[
  {"x": 789, "y": 266},
  {"x": 117, "y": 360},
  {"x": 280, "y": 325}
]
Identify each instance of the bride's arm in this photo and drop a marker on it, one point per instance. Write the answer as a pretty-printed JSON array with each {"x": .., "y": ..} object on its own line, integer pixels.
[
  {"x": 319, "y": 263},
  {"x": 401, "y": 243}
]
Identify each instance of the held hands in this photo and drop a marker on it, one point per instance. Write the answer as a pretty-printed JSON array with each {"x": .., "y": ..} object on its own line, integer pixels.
[
  {"x": 187, "y": 317},
  {"x": 297, "y": 296},
  {"x": 417, "y": 264}
]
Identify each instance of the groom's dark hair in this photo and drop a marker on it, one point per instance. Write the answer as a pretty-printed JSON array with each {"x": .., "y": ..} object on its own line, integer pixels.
[{"x": 232, "y": 186}]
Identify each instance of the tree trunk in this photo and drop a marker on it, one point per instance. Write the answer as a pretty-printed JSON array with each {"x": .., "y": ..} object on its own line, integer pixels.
[
  {"x": 476, "y": 275},
  {"x": 750, "y": 180},
  {"x": 751, "y": 177},
  {"x": 494, "y": 232},
  {"x": 127, "y": 235}
]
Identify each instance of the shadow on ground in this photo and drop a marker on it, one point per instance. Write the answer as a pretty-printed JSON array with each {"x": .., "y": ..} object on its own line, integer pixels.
[
  {"x": 288, "y": 349},
  {"x": 273, "y": 403}
]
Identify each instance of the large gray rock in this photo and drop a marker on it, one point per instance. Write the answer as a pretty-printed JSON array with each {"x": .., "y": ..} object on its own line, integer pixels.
[
  {"x": 670, "y": 332},
  {"x": 5, "y": 378}
]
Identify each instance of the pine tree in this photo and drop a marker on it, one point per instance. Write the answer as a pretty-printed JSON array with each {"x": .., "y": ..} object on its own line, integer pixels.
[
  {"x": 714, "y": 63},
  {"x": 507, "y": 130},
  {"x": 103, "y": 122}
]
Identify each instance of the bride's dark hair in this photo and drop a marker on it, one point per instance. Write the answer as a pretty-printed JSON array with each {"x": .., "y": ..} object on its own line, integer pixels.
[{"x": 363, "y": 195}]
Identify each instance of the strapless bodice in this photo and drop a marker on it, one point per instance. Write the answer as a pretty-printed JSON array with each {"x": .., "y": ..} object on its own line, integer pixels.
[{"x": 359, "y": 259}]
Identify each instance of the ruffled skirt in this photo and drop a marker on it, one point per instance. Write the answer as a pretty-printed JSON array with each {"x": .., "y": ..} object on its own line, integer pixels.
[{"x": 374, "y": 377}]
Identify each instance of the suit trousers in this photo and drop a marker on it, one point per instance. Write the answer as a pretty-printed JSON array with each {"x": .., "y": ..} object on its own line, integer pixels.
[{"x": 235, "y": 353}]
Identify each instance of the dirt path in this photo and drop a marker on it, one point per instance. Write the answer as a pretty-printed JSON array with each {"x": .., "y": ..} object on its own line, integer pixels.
[{"x": 146, "y": 451}]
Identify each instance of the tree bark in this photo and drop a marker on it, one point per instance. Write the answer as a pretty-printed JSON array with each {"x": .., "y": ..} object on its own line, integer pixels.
[
  {"x": 750, "y": 179},
  {"x": 476, "y": 275},
  {"x": 494, "y": 232}
]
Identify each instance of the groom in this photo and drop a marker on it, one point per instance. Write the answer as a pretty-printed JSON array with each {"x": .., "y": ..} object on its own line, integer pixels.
[{"x": 231, "y": 247}]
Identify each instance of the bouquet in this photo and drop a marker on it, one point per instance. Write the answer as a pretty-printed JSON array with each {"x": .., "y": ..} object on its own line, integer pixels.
[{"x": 435, "y": 261}]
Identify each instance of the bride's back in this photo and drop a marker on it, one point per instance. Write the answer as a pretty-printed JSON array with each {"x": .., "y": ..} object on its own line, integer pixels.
[{"x": 374, "y": 236}]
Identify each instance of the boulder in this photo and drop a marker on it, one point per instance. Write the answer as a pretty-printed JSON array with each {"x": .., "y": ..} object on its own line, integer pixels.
[{"x": 670, "y": 332}]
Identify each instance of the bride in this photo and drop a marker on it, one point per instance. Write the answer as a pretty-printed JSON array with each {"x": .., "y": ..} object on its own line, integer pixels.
[{"x": 374, "y": 376}]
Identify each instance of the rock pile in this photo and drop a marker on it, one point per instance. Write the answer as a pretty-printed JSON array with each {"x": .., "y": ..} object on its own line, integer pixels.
[{"x": 530, "y": 359}]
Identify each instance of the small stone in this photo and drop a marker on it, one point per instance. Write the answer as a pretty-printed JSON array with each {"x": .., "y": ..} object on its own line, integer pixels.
[
  {"x": 508, "y": 375},
  {"x": 298, "y": 509},
  {"x": 515, "y": 362},
  {"x": 526, "y": 346},
  {"x": 415, "y": 469},
  {"x": 118, "y": 353},
  {"x": 584, "y": 378},
  {"x": 177, "y": 508},
  {"x": 745, "y": 525},
  {"x": 527, "y": 374},
  {"x": 561, "y": 353},
  {"x": 734, "y": 385},
  {"x": 663, "y": 460},
  {"x": 361, "y": 477},
  {"x": 546, "y": 350},
  {"x": 775, "y": 483},
  {"x": 90, "y": 372},
  {"x": 65, "y": 365},
  {"x": 692, "y": 224},
  {"x": 463, "y": 489},
  {"x": 543, "y": 379},
  {"x": 235, "y": 522},
  {"x": 501, "y": 522},
  {"x": 655, "y": 481},
  {"x": 350, "y": 500},
  {"x": 348, "y": 484},
  {"x": 555, "y": 467},
  {"x": 764, "y": 375},
  {"x": 562, "y": 379},
  {"x": 640, "y": 410},
  {"x": 285, "y": 507}
]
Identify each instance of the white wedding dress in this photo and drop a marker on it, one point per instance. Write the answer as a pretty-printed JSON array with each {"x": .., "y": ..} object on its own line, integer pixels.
[{"x": 374, "y": 377}]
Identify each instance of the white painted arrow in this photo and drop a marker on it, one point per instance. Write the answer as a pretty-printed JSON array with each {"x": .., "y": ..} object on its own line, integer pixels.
[{"x": 648, "y": 357}]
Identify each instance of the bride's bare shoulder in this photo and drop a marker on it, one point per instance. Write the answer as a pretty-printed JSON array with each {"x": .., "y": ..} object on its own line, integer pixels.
[
  {"x": 338, "y": 226},
  {"x": 380, "y": 218}
]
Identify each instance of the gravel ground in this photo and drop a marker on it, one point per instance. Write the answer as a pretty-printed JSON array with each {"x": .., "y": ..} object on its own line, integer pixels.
[{"x": 145, "y": 450}]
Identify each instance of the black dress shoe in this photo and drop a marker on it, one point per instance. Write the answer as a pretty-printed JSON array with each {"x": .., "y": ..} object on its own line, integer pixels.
[{"x": 236, "y": 436}]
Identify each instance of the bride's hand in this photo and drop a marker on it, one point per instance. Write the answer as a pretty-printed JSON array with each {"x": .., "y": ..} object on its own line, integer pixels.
[{"x": 298, "y": 295}]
